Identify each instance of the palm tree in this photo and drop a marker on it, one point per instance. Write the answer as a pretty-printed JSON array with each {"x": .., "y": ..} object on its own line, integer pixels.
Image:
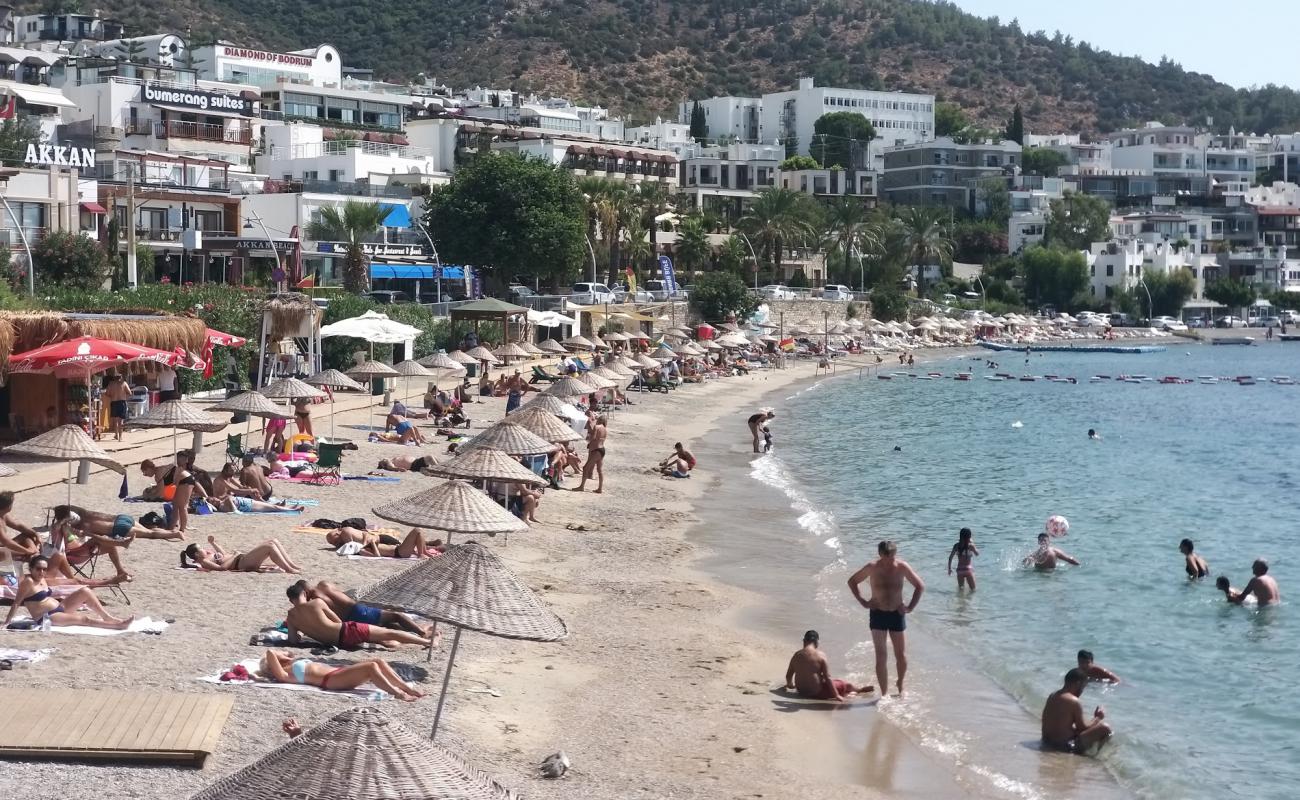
[
  {"x": 925, "y": 239},
  {"x": 692, "y": 247},
  {"x": 778, "y": 217},
  {"x": 638, "y": 246},
  {"x": 652, "y": 200},
  {"x": 846, "y": 228},
  {"x": 612, "y": 213},
  {"x": 352, "y": 224}
]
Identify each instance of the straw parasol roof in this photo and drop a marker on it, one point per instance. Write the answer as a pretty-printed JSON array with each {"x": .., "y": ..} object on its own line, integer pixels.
[
  {"x": 442, "y": 361},
  {"x": 599, "y": 342},
  {"x": 615, "y": 336},
  {"x": 461, "y": 358},
  {"x": 640, "y": 336},
  {"x": 360, "y": 754},
  {"x": 455, "y": 507},
  {"x": 532, "y": 349},
  {"x": 481, "y": 353},
  {"x": 545, "y": 424},
  {"x": 548, "y": 403},
  {"x": 595, "y": 382},
  {"x": 487, "y": 464},
  {"x": 578, "y": 343},
  {"x": 288, "y": 312},
  {"x": 552, "y": 346},
  {"x": 506, "y": 436},
  {"x": 568, "y": 386},
  {"x": 65, "y": 443},
  {"x": 335, "y": 380},
  {"x": 469, "y": 587},
  {"x": 512, "y": 350},
  {"x": 372, "y": 369},
  {"x": 180, "y": 414},
  {"x": 411, "y": 369},
  {"x": 254, "y": 403},
  {"x": 623, "y": 373},
  {"x": 628, "y": 362},
  {"x": 291, "y": 387},
  {"x": 609, "y": 374},
  {"x": 645, "y": 361}
]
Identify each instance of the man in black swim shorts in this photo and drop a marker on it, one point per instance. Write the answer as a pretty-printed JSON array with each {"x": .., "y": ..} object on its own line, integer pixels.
[{"x": 886, "y": 611}]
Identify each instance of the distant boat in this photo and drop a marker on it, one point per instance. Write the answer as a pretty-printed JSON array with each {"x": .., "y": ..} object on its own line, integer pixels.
[
  {"x": 994, "y": 378},
  {"x": 1282, "y": 380},
  {"x": 1028, "y": 378},
  {"x": 1234, "y": 340},
  {"x": 1245, "y": 380},
  {"x": 1208, "y": 379},
  {"x": 885, "y": 377},
  {"x": 962, "y": 376}
]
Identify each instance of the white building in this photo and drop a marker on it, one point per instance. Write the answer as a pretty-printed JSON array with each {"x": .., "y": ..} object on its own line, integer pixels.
[
  {"x": 1051, "y": 139},
  {"x": 731, "y": 118},
  {"x": 300, "y": 152},
  {"x": 1183, "y": 153},
  {"x": 829, "y": 182},
  {"x": 1030, "y": 198},
  {"x": 899, "y": 118},
  {"x": 661, "y": 135},
  {"x": 57, "y": 28},
  {"x": 229, "y": 62},
  {"x": 722, "y": 179}
]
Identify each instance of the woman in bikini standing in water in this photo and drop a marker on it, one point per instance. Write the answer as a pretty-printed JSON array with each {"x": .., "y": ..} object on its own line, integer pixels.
[{"x": 965, "y": 551}]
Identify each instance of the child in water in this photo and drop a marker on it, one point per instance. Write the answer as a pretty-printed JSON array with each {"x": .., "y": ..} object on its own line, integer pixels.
[
  {"x": 964, "y": 551},
  {"x": 767, "y": 440}
]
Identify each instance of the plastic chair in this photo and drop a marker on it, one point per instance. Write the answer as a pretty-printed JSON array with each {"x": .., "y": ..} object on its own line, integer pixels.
[
  {"x": 81, "y": 559},
  {"x": 329, "y": 464},
  {"x": 235, "y": 448}
]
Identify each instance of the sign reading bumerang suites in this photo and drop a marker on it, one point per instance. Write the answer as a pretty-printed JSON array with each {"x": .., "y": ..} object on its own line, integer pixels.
[
  {"x": 53, "y": 155},
  {"x": 198, "y": 100}
]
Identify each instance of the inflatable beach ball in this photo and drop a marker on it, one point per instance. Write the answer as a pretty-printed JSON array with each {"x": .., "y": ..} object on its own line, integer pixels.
[{"x": 1057, "y": 525}]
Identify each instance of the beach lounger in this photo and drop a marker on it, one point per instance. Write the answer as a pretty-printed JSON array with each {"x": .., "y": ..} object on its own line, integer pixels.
[
  {"x": 540, "y": 375},
  {"x": 83, "y": 559}
]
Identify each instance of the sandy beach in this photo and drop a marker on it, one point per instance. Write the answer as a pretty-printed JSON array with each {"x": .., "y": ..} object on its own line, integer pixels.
[{"x": 658, "y": 691}]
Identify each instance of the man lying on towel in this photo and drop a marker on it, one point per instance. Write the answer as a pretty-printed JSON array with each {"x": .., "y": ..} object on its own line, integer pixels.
[
  {"x": 350, "y": 610},
  {"x": 316, "y": 620}
]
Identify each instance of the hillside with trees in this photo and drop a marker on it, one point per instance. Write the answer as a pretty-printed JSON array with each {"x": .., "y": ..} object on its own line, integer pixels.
[{"x": 641, "y": 57}]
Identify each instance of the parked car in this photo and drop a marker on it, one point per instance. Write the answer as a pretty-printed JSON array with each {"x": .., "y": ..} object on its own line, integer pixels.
[
  {"x": 1167, "y": 324},
  {"x": 836, "y": 291},
  {"x": 589, "y": 294},
  {"x": 1291, "y": 317},
  {"x": 777, "y": 291},
  {"x": 1266, "y": 322},
  {"x": 1120, "y": 320},
  {"x": 388, "y": 296},
  {"x": 1091, "y": 319},
  {"x": 1229, "y": 321},
  {"x": 519, "y": 293},
  {"x": 659, "y": 290}
]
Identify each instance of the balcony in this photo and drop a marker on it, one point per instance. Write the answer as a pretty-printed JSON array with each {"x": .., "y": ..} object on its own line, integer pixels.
[
  {"x": 11, "y": 238},
  {"x": 338, "y": 187},
  {"x": 202, "y": 131}
]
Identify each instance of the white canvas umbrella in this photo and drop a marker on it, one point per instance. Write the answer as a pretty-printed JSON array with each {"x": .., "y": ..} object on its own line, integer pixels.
[{"x": 375, "y": 328}]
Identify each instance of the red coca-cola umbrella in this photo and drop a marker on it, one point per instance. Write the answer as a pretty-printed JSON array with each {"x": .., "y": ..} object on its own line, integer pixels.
[
  {"x": 213, "y": 339},
  {"x": 86, "y": 355}
]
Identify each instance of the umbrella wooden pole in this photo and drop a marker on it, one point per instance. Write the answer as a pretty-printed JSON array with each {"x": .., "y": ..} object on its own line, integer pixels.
[{"x": 446, "y": 679}]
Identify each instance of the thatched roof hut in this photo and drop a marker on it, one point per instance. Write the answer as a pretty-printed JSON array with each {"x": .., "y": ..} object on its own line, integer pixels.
[
  {"x": 21, "y": 331},
  {"x": 289, "y": 312}
]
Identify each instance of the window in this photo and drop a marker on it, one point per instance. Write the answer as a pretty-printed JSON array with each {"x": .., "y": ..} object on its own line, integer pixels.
[
  {"x": 1110, "y": 270},
  {"x": 1092, "y": 270},
  {"x": 310, "y": 175},
  {"x": 207, "y": 220},
  {"x": 336, "y": 175}
]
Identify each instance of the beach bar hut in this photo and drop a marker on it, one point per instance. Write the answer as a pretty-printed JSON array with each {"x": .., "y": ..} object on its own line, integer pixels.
[
  {"x": 493, "y": 310},
  {"x": 289, "y": 315}
]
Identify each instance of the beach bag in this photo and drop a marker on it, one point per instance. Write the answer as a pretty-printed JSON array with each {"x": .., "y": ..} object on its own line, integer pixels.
[
  {"x": 153, "y": 520},
  {"x": 354, "y": 522},
  {"x": 327, "y": 524},
  {"x": 349, "y": 549}
]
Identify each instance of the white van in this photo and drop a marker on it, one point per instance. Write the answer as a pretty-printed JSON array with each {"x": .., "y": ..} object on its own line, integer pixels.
[{"x": 590, "y": 294}]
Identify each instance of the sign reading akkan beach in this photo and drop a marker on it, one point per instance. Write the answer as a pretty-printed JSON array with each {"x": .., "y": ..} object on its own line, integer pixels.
[
  {"x": 50, "y": 155},
  {"x": 198, "y": 100}
]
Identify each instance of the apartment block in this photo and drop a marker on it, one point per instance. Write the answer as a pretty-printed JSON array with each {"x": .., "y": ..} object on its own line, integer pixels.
[{"x": 942, "y": 172}]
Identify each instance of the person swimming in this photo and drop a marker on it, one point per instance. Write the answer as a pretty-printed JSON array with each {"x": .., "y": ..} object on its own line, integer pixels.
[
  {"x": 1196, "y": 566},
  {"x": 1093, "y": 435}
]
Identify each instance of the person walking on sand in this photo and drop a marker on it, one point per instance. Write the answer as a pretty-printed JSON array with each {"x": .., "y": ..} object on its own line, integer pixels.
[
  {"x": 117, "y": 394},
  {"x": 964, "y": 551},
  {"x": 886, "y": 612},
  {"x": 1063, "y": 725},
  {"x": 809, "y": 674},
  {"x": 756, "y": 422},
  {"x": 595, "y": 455}
]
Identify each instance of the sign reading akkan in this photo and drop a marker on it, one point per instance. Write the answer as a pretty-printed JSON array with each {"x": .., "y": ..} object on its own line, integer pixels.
[
  {"x": 198, "y": 100},
  {"x": 50, "y": 155}
]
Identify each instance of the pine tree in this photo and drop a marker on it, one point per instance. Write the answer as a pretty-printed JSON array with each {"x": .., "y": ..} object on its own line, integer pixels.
[
  {"x": 699, "y": 126},
  {"x": 1015, "y": 127}
]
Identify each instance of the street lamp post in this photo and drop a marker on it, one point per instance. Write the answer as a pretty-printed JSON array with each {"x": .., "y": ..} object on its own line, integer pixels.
[
  {"x": 437, "y": 262},
  {"x": 587, "y": 239},
  {"x": 985, "y": 302},
  {"x": 1151, "y": 310},
  {"x": 248, "y": 226},
  {"x": 755, "y": 256}
]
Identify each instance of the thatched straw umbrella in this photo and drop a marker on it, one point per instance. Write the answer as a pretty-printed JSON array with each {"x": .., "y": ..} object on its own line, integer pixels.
[
  {"x": 442, "y": 361},
  {"x": 411, "y": 369},
  {"x": 291, "y": 388},
  {"x": 568, "y": 386},
  {"x": 487, "y": 464},
  {"x": 596, "y": 382},
  {"x": 452, "y": 507},
  {"x": 370, "y": 370},
  {"x": 468, "y": 587},
  {"x": 509, "y": 438},
  {"x": 646, "y": 361},
  {"x": 511, "y": 350},
  {"x": 253, "y": 404},
  {"x": 532, "y": 349},
  {"x": 552, "y": 346},
  {"x": 545, "y": 424},
  {"x": 66, "y": 443},
  {"x": 578, "y": 343},
  {"x": 180, "y": 415},
  {"x": 334, "y": 380},
  {"x": 548, "y": 403},
  {"x": 482, "y": 354},
  {"x": 360, "y": 754},
  {"x": 462, "y": 358}
]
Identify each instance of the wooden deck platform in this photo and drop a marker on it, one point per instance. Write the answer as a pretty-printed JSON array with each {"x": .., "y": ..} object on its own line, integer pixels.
[{"x": 110, "y": 725}]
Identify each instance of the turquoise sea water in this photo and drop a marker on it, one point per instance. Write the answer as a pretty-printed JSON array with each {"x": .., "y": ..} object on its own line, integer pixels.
[{"x": 1206, "y": 708}]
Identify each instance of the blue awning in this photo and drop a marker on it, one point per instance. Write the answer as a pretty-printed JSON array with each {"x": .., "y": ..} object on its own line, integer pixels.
[
  {"x": 398, "y": 217},
  {"x": 383, "y": 269}
]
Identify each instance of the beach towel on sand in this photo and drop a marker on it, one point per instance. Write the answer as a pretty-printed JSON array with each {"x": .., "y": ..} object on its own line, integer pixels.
[
  {"x": 139, "y": 625},
  {"x": 24, "y": 656},
  {"x": 366, "y": 691}
]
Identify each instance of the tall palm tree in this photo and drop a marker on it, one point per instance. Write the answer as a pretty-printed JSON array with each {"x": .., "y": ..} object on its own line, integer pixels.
[
  {"x": 637, "y": 246},
  {"x": 779, "y": 217},
  {"x": 652, "y": 200},
  {"x": 926, "y": 239},
  {"x": 692, "y": 247},
  {"x": 612, "y": 213},
  {"x": 846, "y": 224},
  {"x": 352, "y": 224}
]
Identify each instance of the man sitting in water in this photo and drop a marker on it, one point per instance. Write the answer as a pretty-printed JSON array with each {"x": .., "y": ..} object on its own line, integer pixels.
[
  {"x": 1093, "y": 670},
  {"x": 316, "y": 620},
  {"x": 809, "y": 674},
  {"x": 350, "y": 610},
  {"x": 1063, "y": 725},
  {"x": 1197, "y": 567},
  {"x": 1262, "y": 587},
  {"x": 1046, "y": 556}
]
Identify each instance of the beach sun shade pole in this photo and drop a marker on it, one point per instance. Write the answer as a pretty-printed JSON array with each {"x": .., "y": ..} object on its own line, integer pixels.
[{"x": 446, "y": 679}]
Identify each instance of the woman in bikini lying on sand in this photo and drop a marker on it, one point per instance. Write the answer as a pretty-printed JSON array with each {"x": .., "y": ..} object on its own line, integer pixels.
[
  {"x": 218, "y": 560},
  {"x": 35, "y": 595},
  {"x": 285, "y": 668},
  {"x": 381, "y": 545}
]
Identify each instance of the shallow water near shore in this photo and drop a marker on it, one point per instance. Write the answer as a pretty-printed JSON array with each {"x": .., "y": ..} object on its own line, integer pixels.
[{"x": 1212, "y": 462}]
